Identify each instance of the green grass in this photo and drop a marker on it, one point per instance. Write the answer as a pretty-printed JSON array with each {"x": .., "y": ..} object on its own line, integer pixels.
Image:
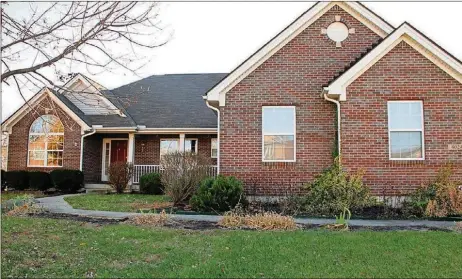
[
  {"x": 115, "y": 202},
  {"x": 61, "y": 248}
]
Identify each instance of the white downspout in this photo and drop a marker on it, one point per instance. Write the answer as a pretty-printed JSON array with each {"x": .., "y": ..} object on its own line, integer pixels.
[
  {"x": 218, "y": 132},
  {"x": 81, "y": 147},
  {"x": 339, "y": 143}
]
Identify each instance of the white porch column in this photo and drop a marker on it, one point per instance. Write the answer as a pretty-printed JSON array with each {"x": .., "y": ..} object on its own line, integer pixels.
[
  {"x": 131, "y": 151},
  {"x": 182, "y": 142}
]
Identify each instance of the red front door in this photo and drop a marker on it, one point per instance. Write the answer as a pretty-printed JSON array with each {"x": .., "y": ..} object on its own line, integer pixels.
[{"x": 118, "y": 151}]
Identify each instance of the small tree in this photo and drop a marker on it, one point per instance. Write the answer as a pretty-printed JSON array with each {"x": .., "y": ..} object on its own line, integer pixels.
[
  {"x": 182, "y": 174},
  {"x": 120, "y": 174}
]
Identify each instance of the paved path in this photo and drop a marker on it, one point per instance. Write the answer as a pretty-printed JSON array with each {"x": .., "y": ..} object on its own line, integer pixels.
[{"x": 57, "y": 204}]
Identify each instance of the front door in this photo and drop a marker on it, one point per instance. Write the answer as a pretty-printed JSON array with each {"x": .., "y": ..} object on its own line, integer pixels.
[
  {"x": 118, "y": 151},
  {"x": 114, "y": 150}
]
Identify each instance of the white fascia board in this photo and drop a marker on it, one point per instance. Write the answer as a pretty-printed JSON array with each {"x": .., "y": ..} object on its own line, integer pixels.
[
  {"x": 20, "y": 113},
  {"x": 178, "y": 131},
  {"x": 23, "y": 110},
  {"x": 375, "y": 23},
  {"x": 404, "y": 33}
]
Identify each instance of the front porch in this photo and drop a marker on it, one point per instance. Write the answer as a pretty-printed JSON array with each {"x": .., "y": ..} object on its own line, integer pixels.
[{"x": 142, "y": 150}]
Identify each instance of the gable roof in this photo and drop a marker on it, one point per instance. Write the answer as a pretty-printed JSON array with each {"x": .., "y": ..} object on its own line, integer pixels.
[
  {"x": 27, "y": 107},
  {"x": 407, "y": 33},
  {"x": 161, "y": 101},
  {"x": 357, "y": 10},
  {"x": 170, "y": 101}
]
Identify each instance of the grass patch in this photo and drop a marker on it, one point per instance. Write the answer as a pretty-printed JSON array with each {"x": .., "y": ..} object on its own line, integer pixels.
[
  {"x": 118, "y": 202},
  {"x": 60, "y": 248},
  {"x": 11, "y": 195}
]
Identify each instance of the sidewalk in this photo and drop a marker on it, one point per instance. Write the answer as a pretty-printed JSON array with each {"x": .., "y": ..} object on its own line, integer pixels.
[{"x": 57, "y": 204}]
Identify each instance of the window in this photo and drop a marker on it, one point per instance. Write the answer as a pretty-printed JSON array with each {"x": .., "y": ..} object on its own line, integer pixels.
[
  {"x": 173, "y": 145},
  {"x": 405, "y": 130},
  {"x": 190, "y": 145},
  {"x": 168, "y": 146},
  {"x": 214, "y": 151},
  {"x": 46, "y": 142},
  {"x": 278, "y": 134}
]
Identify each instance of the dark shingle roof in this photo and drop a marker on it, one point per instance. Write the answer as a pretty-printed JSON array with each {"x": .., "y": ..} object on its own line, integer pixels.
[
  {"x": 160, "y": 101},
  {"x": 170, "y": 101}
]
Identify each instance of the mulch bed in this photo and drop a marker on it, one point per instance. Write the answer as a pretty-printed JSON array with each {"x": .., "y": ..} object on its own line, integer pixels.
[{"x": 206, "y": 225}]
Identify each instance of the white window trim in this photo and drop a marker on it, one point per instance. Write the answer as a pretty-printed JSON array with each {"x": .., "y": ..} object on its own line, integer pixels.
[
  {"x": 46, "y": 146},
  {"x": 197, "y": 143},
  {"x": 278, "y": 134},
  {"x": 211, "y": 148},
  {"x": 170, "y": 139},
  {"x": 422, "y": 130}
]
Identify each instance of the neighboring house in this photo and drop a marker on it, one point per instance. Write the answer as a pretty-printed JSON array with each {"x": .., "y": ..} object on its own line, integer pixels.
[{"x": 338, "y": 80}]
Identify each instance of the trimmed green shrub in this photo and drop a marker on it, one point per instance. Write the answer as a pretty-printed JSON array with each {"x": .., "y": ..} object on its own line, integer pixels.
[
  {"x": 218, "y": 194},
  {"x": 151, "y": 184},
  {"x": 19, "y": 180},
  {"x": 334, "y": 190},
  {"x": 68, "y": 181},
  {"x": 39, "y": 180}
]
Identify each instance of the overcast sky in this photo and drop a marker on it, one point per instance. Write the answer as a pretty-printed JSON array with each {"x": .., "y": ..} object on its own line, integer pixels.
[{"x": 216, "y": 37}]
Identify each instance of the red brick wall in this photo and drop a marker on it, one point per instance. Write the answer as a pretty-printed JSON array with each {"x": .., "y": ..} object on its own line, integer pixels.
[
  {"x": 295, "y": 75},
  {"x": 147, "y": 147},
  {"x": 19, "y": 138},
  {"x": 402, "y": 74}
]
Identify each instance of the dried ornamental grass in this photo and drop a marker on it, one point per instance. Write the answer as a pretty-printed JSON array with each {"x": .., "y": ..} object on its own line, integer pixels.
[
  {"x": 458, "y": 227},
  {"x": 261, "y": 221},
  {"x": 150, "y": 219}
]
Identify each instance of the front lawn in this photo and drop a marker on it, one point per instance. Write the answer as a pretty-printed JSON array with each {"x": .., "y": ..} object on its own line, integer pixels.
[
  {"x": 60, "y": 248},
  {"x": 118, "y": 202}
]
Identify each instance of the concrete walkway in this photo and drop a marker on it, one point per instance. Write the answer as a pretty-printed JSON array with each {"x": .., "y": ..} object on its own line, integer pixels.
[{"x": 57, "y": 204}]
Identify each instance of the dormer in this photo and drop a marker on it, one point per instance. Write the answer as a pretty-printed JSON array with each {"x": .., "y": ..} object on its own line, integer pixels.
[{"x": 89, "y": 96}]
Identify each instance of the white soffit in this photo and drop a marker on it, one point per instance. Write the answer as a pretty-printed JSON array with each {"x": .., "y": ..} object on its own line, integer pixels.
[
  {"x": 358, "y": 11},
  {"x": 411, "y": 36}
]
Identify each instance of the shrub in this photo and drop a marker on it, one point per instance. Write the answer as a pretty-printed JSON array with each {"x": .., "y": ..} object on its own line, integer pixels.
[
  {"x": 438, "y": 199},
  {"x": 218, "y": 194},
  {"x": 68, "y": 181},
  {"x": 120, "y": 174},
  {"x": 39, "y": 180},
  {"x": 182, "y": 174},
  {"x": 151, "y": 184},
  {"x": 19, "y": 180},
  {"x": 261, "y": 221},
  {"x": 334, "y": 190}
]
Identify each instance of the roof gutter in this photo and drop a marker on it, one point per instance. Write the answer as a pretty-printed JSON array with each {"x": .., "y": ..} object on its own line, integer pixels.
[
  {"x": 81, "y": 147},
  {"x": 339, "y": 143},
  {"x": 218, "y": 131}
]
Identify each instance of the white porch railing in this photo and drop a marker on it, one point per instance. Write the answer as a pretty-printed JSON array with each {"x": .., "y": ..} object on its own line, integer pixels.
[{"x": 139, "y": 170}]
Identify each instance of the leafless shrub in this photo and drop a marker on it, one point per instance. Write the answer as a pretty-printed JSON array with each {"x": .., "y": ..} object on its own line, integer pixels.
[
  {"x": 120, "y": 174},
  {"x": 182, "y": 174},
  {"x": 150, "y": 219}
]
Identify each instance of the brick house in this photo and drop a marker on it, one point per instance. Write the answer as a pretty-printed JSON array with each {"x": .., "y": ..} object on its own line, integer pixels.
[{"x": 337, "y": 80}]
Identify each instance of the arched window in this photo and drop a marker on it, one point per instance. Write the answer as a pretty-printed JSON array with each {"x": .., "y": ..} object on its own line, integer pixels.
[{"x": 46, "y": 142}]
